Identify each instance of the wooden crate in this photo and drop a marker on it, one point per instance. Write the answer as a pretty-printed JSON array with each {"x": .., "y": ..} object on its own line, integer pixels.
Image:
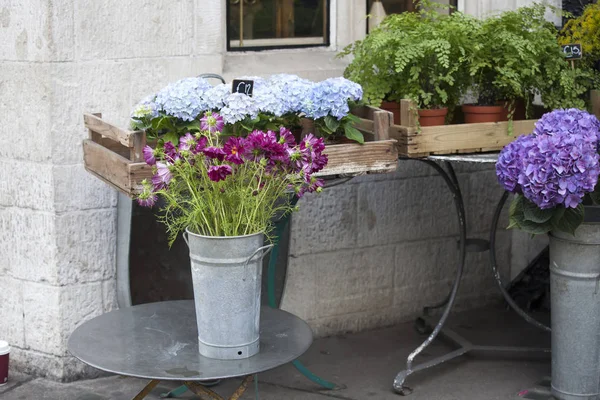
[
  {"x": 115, "y": 155},
  {"x": 451, "y": 139}
]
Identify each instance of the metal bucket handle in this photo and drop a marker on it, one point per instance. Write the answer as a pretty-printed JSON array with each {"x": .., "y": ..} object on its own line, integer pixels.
[{"x": 267, "y": 248}]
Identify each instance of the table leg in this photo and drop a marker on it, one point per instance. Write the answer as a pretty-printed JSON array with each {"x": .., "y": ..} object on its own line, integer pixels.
[
  {"x": 494, "y": 267},
  {"x": 240, "y": 390},
  {"x": 146, "y": 391},
  {"x": 452, "y": 183},
  {"x": 202, "y": 391}
]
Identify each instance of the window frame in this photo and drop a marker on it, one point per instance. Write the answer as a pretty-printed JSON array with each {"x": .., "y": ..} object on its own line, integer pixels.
[{"x": 326, "y": 35}]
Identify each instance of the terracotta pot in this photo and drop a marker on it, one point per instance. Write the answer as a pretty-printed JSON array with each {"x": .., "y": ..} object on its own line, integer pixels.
[
  {"x": 475, "y": 114},
  {"x": 394, "y": 108},
  {"x": 433, "y": 117}
]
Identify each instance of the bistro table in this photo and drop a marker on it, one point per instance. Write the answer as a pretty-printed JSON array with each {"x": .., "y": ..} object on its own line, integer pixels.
[
  {"x": 465, "y": 245},
  {"x": 159, "y": 341}
]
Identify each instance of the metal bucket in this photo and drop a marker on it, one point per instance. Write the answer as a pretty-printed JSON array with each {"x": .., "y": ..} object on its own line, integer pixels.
[
  {"x": 226, "y": 274},
  {"x": 575, "y": 297}
]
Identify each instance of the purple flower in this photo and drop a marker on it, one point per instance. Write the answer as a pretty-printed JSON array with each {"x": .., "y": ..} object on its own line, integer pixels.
[
  {"x": 286, "y": 137},
  {"x": 148, "y": 153},
  {"x": 264, "y": 145},
  {"x": 200, "y": 145},
  {"x": 214, "y": 152},
  {"x": 218, "y": 173},
  {"x": 147, "y": 200},
  {"x": 234, "y": 148},
  {"x": 171, "y": 153},
  {"x": 557, "y": 164},
  {"x": 212, "y": 122},
  {"x": 187, "y": 142},
  {"x": 162, "y": 177}
]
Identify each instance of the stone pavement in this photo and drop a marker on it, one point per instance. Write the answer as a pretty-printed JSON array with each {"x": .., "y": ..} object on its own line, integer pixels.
[{"x": 364, "y": 363}]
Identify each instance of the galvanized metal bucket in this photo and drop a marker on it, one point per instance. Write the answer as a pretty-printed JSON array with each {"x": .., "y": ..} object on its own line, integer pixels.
[
  {"x": 575, "y": 293},
  {"x": 226, "y": 274}
]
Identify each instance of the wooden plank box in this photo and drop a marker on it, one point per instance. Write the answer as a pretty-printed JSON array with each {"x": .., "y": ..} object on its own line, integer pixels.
[
  {"x": 449, "y": 139},
  {"x": 114, "y": 155}
]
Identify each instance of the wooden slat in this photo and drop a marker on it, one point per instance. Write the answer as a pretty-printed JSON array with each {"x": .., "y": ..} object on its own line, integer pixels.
[
  {"x": 357, "y": 159},
  {"x": 365, "y": 125},
  {"x": 408, "y": 114},
  {"x": 107, "y": 164},
  {"x": 447, "y": 139},
  {"x": 138, "y": 172},
  {"x": 382, "y": 121},
  {"x": 595, "y": 100},
  {"x": 105, "y": 129},
  {"x": 138, "y": 141}
]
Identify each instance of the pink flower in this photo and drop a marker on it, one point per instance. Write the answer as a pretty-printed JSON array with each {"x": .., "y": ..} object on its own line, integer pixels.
[
  {"x": 148, "y": 153},
  {"x": 214, "y": 152},
  {"x": 211, "y": 122},
  {"x": 162, "y": 177},
  {"x": 234, "y": 148},
  {"x": 286, "y": 137},
  {"x": 200, "y": 145},
  {"x": 218, "y": 173},
  {"x": 171, "y": 152},
  {"x": 147, "y": 200},
  {"x": 187, "y": 142}
]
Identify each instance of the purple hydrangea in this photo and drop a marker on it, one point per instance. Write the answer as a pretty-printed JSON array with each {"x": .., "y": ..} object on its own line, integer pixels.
[
  {"x": 184, "y": 98},
  {"x": 555, "y": 165}
]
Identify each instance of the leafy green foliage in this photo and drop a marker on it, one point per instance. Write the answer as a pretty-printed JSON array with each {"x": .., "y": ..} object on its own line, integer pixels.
[
  {"x": 422, "y": 56},
  {"x": 526, "y": 216}
]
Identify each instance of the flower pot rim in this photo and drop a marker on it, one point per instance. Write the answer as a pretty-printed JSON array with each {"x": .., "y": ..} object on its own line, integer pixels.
[
  {"x": 477, "y": 109},
  {"x": 433, "y": 111},
  {"x": 222, "y": 237}
]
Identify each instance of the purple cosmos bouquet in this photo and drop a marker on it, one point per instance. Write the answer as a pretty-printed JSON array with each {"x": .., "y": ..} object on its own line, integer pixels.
[
  {"x": 553, "y": 172},
  {"x": 230, "y": 187}
]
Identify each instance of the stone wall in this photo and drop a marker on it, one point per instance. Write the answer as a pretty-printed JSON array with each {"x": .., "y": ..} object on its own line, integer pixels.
[{"x": 364, "y": 254}]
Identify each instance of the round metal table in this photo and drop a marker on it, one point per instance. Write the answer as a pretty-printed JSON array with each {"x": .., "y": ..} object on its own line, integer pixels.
[{"x": 159, "y": 341}]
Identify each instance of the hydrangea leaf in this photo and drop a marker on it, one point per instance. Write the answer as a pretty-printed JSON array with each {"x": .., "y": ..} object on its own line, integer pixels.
[
  {"x": 332, "y": 123},
  {"x": 354, "y": 134},
  {"x": 572, "y": 218},
  {"x": 533, "y": 213}
]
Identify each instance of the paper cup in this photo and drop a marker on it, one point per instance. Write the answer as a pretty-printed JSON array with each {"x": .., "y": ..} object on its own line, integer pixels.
[{"x": 4, "y": 353}]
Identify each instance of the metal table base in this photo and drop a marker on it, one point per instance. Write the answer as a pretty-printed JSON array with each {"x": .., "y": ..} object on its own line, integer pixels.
[
  {"x": 465, "y": 245},
  {"x": 200, "y": 390}
]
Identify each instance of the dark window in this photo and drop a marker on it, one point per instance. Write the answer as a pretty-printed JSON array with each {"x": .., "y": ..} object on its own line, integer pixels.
[
  {"x": 400, "y": 6},
  {"x": 264, "y": 24}
]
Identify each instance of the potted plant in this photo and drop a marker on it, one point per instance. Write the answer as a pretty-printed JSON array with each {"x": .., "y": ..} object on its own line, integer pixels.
[
  {"x": 508, "y": 65},
  {"x": 222, "y": 194},
  {"x": 553, "y": 173},
  {"x": 280, "y": 100},
  {"x": 585, "y": 30},
  {"x": 421, "y": 56}
]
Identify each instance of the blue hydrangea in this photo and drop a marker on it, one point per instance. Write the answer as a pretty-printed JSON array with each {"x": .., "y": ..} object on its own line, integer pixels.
[
  {"x": 330, "y": 97},
  {"x": 555, "y": 165},
  {"x": 238, "y": 106},
  {"x": 290, "y": 90},
  {"x": 184, "y": 98},
  {"x": 145, "y": 108},
  {"x": 215, "y": 97},
  {"x": 268, "y": 100}
]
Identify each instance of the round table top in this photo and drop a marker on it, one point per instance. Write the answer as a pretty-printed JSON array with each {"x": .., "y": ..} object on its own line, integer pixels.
[
  {"x": 160, "y": 341},
  {"x": 480, "y": 158}
]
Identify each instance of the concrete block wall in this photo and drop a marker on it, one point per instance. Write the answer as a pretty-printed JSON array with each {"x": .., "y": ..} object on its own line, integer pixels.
[
  {"x": 371, "y": 251},
  {"x": 374, "y": 251}
]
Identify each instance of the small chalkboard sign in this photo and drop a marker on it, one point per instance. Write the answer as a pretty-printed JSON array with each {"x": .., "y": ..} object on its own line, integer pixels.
[
  {"x": 572, "y": 51},
  {"x": 244, "y": 86}
]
